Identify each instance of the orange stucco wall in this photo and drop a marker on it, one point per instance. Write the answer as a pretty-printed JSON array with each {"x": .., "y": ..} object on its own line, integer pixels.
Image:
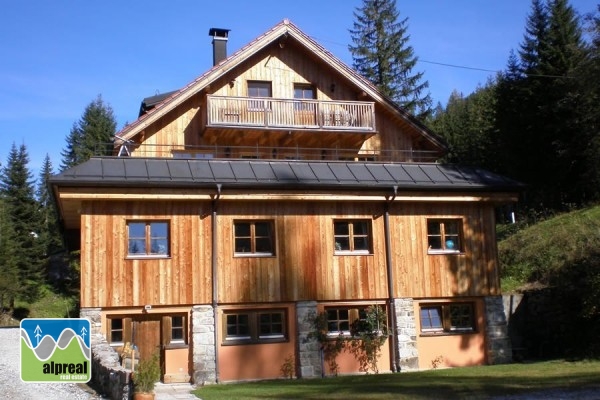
[
  {"x": 452, "y": 350},
  {"x": 347, "y": 363},
  {"x": 256, "y": 361}
]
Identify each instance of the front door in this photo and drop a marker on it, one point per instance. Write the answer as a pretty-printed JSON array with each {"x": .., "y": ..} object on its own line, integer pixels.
[{"x": 146, "y": 335}]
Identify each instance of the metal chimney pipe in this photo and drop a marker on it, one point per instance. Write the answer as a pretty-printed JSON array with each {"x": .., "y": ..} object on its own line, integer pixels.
[{"x": 219, "y": 44}]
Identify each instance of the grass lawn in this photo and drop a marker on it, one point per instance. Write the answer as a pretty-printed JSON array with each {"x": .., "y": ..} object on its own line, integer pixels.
[{"x": 456, "y": 383}]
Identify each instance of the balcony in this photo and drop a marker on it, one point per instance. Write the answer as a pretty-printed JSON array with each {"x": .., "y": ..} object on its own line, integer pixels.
[{"x": 290, "y": 114}]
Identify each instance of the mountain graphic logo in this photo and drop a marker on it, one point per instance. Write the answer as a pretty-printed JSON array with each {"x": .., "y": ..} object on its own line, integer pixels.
[{"x": 55, "y": 350}]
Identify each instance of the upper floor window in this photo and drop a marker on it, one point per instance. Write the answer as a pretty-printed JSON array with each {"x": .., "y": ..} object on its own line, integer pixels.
[
  {"x": 255, "y": 326},
  {"x": 440, "y": 318},
  {"x": 352, "y": 236},
  {"x": 254, "y": 238},
  {"x": 444, "y": 235},
  {"x": 148, "y": 238},
  {"x": 304, "y": 91},
  {"x": 259, "y": 89}
]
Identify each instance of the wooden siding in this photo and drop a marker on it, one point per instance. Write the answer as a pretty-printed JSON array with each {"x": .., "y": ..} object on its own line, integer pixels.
[
  {"x": 284, "y": 67},
  {"x": 473, "y": 272},
  {"x": 304, "y": 266},
  {"x": 110, "y": 279}
]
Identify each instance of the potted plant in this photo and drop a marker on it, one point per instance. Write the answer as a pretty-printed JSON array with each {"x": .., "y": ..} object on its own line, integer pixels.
[{"x": 146, "y": 374}]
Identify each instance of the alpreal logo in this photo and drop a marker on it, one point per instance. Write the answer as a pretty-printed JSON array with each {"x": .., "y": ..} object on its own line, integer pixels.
[{"x": 55, "y": 350}]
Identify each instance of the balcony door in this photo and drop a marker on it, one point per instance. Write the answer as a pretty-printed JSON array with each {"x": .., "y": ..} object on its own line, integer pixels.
[{"x": 305, "y": 113}]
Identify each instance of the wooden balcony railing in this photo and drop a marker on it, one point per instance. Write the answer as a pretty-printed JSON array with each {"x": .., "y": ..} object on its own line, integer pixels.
[{"x": 267, "y": 112}]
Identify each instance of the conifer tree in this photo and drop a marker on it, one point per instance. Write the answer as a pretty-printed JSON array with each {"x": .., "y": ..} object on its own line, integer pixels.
[
  {"x": 91, "y": 135},
  {"x": 50, "y": 233},
  {"x": 17, "y": 189},
  {"x": 9, "y": 273},
  {"x": 538, "y": 111},
  {"x": 382, "y": 54}
]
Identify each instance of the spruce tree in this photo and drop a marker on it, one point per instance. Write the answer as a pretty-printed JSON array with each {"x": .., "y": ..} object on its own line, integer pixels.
[
  {"x": 17, "y": 189},
  {"x": 91, "y": 135},
  {"x": 538, "y": 106},
  {"x": 382, "y": 54},
  {"x": 50, "y": 233},
  {"x": 9, "y": 272}
]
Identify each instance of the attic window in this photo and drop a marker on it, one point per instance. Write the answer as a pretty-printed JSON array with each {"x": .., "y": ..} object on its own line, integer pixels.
[{"x": 259, "y": 89}]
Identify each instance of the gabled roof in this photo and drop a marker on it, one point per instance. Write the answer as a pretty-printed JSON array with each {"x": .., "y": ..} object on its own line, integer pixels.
[
  {"x": 280, "y": 175},
  {"x": 286, "y": 29}
]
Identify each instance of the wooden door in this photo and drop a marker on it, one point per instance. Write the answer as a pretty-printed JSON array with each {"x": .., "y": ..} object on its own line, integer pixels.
[{"x": 146, "y": 335}]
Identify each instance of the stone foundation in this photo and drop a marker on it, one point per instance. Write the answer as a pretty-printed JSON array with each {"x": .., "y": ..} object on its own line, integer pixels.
[
  {"x": 406, "y": 335},
  {"x": 309, "y": 354},
  {"x": 108, "y": 376},
  {"x": 496, "y": 331},
  {"x": 203, "y": 344}
]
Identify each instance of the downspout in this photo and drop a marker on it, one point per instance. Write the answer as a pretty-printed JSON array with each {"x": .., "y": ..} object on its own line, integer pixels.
[
  {"x": 390, "y": 279},
  {"x": 215, "y": 285}
]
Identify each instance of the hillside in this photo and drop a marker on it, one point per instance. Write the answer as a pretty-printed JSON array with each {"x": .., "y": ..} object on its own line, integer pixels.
[{"x": 558, "y": 261}]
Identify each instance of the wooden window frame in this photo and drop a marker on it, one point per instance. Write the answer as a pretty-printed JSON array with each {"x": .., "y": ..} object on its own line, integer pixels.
[
  {"x": 169, "y": 327},
  {"x": 451, "y": 320},
  {"x": 124, "y": 330},
  {"x": 148, "y": 238},
  {"x": 444, "y": 235},
  {"x": 341, "y": 318},
  {"x": 253, "y": 237},
  {"x": 252, "y": 325},
  {"x": 351, "y": 237}
]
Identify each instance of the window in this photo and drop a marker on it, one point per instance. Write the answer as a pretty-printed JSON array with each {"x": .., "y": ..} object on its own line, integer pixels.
[
  {"x": 304, "y": 92},
  {"x": 253, "y": 238},
  {"x": 259, "y": 89},
  {"x": 353, "y": 236},
  {"x": 340, "y": 319},
  {"x": 440, "y": 318},
  {"x": 178, "y": 329},
  {"x": 255, "y": 326},
  {"x": 444, "y": 235},
  {"x": 116, "y": 330},
  {"x": 148, "y": 238}
]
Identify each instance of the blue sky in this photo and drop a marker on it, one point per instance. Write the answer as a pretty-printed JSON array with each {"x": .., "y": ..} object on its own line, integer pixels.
[{"x": 57, "y": 56}]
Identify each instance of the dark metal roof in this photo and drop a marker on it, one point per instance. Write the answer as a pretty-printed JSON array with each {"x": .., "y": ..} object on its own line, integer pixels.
[
  {"x": 275, "y": 174},
  {"x": 150, "y": 102}
]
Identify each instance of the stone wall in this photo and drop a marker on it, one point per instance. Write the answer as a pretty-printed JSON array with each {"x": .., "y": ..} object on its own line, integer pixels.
[
  {"x": 204, "y": 357},
  {"x": 496, "y": 330},
  {"x": 309, "y": 354},
  {"x": 108, "y": 376},
  {"x": 406, "y": 335}
]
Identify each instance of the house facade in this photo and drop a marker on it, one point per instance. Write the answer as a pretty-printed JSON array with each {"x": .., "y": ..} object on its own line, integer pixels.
[{"x": 277, "y": 186}]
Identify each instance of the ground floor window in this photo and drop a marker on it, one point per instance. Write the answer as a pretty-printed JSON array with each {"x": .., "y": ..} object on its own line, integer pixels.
[
  {"x": 341, "y": 319},
  {"x": 254, "y": 326},
  {"x": 450, "y": 317}
]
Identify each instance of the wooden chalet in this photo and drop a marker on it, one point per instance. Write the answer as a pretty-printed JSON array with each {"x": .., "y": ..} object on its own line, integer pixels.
[{"x": 278, "y": 185}]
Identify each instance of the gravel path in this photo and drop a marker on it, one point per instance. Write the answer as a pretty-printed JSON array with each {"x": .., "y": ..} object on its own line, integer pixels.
[{"x": 11, "y": 386}]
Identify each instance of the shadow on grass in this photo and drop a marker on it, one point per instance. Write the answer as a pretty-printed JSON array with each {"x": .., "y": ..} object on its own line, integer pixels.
[{"x": 459, "y": 383}]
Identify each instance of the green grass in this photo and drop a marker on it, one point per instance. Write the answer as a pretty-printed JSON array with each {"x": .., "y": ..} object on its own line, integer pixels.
[
  {"x": 456, "y": 383},
  {"x": 49, "y": 305}
]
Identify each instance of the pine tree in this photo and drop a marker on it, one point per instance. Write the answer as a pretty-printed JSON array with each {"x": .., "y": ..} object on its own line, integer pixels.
[
  {"x": 17, "y": 189},
  {"x": 50, "y": 233},
  {"x": 9, "y": 272},
  {"x": 538, "y": 106},
  {"x": 381, "y": 53},
  {"x": 91, "y": 135}
]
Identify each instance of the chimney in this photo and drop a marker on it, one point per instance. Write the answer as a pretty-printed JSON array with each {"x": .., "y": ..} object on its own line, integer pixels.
[{"x": 219, "y": 44}]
